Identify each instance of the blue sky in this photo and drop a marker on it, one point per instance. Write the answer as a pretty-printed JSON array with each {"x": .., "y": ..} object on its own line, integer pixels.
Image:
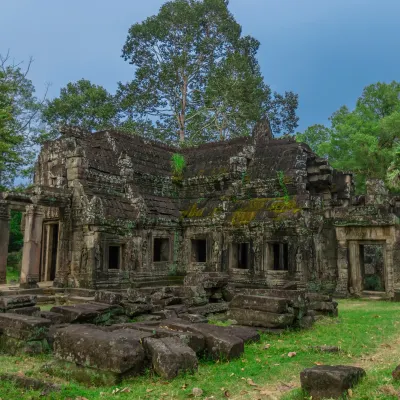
[{"x": 324, "y": 50}]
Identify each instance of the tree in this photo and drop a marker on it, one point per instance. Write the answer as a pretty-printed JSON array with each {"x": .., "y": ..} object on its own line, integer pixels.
[
  {"x": 82, "y": 103},
  {"x": 196, "y": 76},
  {"x": 364, "y": 140},
  {"x": 19, "y": 121}
]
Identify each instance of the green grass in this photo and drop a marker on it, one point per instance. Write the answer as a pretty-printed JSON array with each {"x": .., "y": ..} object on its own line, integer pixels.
[
  {"x": 360, "y": 330},
  {"x": 12, "y": 274}
]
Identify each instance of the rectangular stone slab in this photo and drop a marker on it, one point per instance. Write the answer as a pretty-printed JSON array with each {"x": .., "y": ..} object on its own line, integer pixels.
[
  {"x": 219, "y": 342},
  {"x": 24, "y": 327},
  {"x": 99, "y": 349},
  {"x": 194, "y": 340},
  {"x": 262, "y": 303},
  {"x": 169, "y": 356},
  {"x": 210, "y": 308},
  {"x": 330, "y": 381},
  {"x": 17, "y": 301},
  {"x": 33, "y": 311},
  {"x": 84, "y": 312},
  {"x": 261, "y": 318},
  {"x": 247, "y": 334},
  {"x": 103, "y": 296}
]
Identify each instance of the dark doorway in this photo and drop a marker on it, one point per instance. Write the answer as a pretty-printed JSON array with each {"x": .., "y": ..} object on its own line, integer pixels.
[
  {"x": 160, "y": 249},
  {"x": 372, "y": 267},
  {"x": 241, "y": 255},
  {"x": 199, "y": 250},
  {"x": 48, "y": 265},
  {"x": 114, "y": 257},
  {"x": 281, "y": 256},
  {"x": 54, "y": 251}
]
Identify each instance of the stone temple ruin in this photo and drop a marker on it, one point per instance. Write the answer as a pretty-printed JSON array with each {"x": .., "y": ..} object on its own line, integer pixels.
[
  {"x": 144, "y": 249},
  {"x": 107, "y": 210}
]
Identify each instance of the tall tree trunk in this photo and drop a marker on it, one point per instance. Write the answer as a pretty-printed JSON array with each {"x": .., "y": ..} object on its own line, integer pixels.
[{"x": 182, "y": 115}]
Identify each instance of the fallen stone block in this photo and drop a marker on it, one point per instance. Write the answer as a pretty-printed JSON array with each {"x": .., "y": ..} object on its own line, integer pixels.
[
  {"x": 210, "y": 308},
  {"x": 86, "y": 312},
  {"x": 165, "y": 314},
  {"x": 248, "y": 335},
  {"x": 24, "y": 327},
  {"x": 261, "y": 303},
  {"x": 137, "y": 296},
  {"x": 32, "y": 311},
  {"x": 112, "y": 298},
  {"x": 325, "y": 381},
  {"x": 220, "y": 344},
  {"x": 16, "y": 301},
  {"x": 169, "y": 356},
  {"x": 194, "y": 340},
  {"x": 135, "y": 309},
  {"x": 260, "y": 318},
  {"x": 194, "y": 296},
  {"x": 116, "y": 352},
  {"x": 193, "y": 318},
  {"x": 55, "y": 318}
]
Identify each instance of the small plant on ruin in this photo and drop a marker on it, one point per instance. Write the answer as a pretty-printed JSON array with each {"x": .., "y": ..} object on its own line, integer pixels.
[
  {"x": 178, "y": 163},
  {"x": 282, "y": 184}
]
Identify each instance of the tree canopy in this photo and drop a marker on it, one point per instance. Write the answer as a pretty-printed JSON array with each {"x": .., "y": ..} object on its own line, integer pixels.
[
  {"x": 197, "y": 78},
  {"x": 364, "y": 140},
  {"x": 20, "y": 113},
  {"x": 84, "y": 104}
]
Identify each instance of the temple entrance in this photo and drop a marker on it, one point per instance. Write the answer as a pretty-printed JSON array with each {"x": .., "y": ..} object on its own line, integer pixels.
[
  {"x": 372, "y": 267},
  {"x": 48, "y": 266}
]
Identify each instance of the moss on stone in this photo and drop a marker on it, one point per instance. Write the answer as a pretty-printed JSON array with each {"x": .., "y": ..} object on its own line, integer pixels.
[
  {"x": 193, "y": 212},
  {"x": 278, "y": 206}
]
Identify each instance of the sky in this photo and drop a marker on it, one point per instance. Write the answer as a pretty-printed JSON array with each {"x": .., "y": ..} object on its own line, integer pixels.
[{"x": 326, "y": 51}]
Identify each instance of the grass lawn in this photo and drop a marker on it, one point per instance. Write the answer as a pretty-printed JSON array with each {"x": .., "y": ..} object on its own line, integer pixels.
[
  {"x": 366, "y": 331},
  {"x": 12, "y": 274}
]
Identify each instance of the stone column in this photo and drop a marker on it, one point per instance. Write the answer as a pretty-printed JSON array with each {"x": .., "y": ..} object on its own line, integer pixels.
[
  {"x": 343, "y": 268},
  {"x": 32, "y": 246},
  {"x": 4, "y": 238}
]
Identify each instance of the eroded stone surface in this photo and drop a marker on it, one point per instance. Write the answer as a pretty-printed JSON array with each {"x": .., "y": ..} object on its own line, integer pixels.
[
  {"x": 117, "y": 352},
  {"x": 325, "y": 381},
  {"x": 169, "y": 356}
]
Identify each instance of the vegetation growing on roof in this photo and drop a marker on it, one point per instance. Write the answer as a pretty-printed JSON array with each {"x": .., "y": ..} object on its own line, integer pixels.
[{"x": 178, "y": 164}]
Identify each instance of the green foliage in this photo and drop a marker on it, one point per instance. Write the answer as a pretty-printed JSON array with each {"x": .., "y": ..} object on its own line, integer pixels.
[
  {"x": 282, "y": 184},
  {"x": 364, "y": 140},
  {"x": 16, "y": 237},
  {"x": 197, "y": 77},
  {"x": 19, "y": 122},
  {"x": 82, "y": 104},
  {"x": 178, "y": 164}
]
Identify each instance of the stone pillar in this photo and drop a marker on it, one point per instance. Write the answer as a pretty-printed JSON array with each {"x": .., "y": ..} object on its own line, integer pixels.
[
  {"x": 32, "y": 246},
  {"x": 355, "y": 284},
  {"x": 4, "y": 238},
  {"x": 343, "y": 269}
]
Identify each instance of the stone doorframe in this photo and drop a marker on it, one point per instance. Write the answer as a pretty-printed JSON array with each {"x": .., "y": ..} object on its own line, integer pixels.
[{"x": 349, "y": 239}]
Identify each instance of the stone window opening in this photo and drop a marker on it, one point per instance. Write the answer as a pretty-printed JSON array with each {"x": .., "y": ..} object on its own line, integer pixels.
[
  {"x": 161, "y": 250},
  {"x": 280, "y": 252},
  {"x": 114, "y": 257},
  {"x": 199, "y": 250},
  {"x": 241, "y": 255},
  {"x": 372, "y": 267},
  {"x": 48, "y": 265}
]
